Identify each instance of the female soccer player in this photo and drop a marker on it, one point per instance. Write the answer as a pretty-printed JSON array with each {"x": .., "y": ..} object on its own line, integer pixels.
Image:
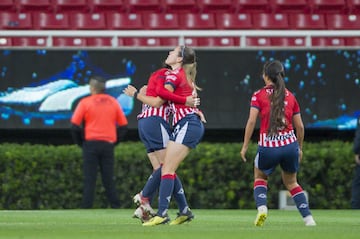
[
  {"x": 188, "y": 130},
  {"x": 278, "y": 111},
  {"x": 154, "y": 131}
]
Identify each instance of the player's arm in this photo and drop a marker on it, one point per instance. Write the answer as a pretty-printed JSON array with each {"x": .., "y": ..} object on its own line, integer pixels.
[
  {"x": 166, "y": 92},
  {"x": 249, "y": 130},
  {"x": 149, "y": 100}
]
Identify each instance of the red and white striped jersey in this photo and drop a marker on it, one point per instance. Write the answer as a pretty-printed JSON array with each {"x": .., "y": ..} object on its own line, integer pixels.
[
  {"x": 177, "y": 79},
  {"x": 156, "y": 80},
  {"x": 260, "y": 100}
]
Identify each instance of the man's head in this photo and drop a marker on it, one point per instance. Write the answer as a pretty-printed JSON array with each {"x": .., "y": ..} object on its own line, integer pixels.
[{"x": 97, "y": 84}]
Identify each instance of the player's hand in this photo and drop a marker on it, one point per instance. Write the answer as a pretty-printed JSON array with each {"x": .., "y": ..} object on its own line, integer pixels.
[
  {"x": 143, "y": 90},
  {"x": 192, "y": 101},
  {"x": 243, "y": 153},
  {"x": 130, "y": 90}
]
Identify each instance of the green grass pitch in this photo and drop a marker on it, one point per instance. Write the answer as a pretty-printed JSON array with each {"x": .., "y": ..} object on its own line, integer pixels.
[{"x": 208, "y": 224}]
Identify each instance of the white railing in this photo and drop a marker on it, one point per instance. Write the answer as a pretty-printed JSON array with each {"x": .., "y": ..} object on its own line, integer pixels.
[{"x": 182, "y": 34}]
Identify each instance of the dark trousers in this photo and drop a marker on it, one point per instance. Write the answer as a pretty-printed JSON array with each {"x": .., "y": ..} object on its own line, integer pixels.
[
  {"x": 355, "y": 191},
  {"x": 99, "y": 154}
]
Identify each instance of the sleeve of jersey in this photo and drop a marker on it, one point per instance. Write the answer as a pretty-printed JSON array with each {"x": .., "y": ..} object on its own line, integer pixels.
[
  {"x": 121, "y": 119},
  {"x": 296, "y": 109},
  {"x": 77, "y": 117},
  {"x": 167, "y": 95}
]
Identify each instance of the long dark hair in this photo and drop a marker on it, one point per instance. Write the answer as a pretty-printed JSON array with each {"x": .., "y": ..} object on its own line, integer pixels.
[{"x": 275, "y": 71}]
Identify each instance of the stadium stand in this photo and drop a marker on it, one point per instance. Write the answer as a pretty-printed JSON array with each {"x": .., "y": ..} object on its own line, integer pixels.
[
  {"x": 161, "y": 21},
  {"x": 33, "y": 5},
  {"x": 124, "y": 21},
  {"x": 54, "y": 21}
]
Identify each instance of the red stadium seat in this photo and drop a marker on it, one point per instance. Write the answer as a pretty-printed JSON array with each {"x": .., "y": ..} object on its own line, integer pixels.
[
  {"x": 193, "y": 21},
  {"x": 177, "y": 6},
  {"x": 343, "y": 22},
  {"x": 258, "y": 41},
  {"x": 34, "y": 5},
  {"x": 233, "y": 21},
  {"x": 11, "y": 20},
  {"x": 71, "y": 5},
  {"x": 29, "y": 41},
  {"x": 69, "y": 41},
  {"x": 353, "y": 6},
  {"x": 107, "y": 5},
  {"x": 218, "y": 41},
  {"x": 99, "y": 41},
  {"x": 270, "y": 21},
  {"x": 5, "y": 42},
  {"x": 215, "y": 5},
  {"x": 352, "y": 41},
  {"x": 87, "y": 21},
  {"x": 324, "y": 6},
  {"x": 327, "y": 41},
  {"x": 161, "y": 21},
  {"x": 119, "y": 21},
  {"x": 54, "y": 21},
  {"x": 252, "y": 5},
  {"x": 299, "y": 21},
  {"x": 169, "y": 41},
  {"x": 139, "y": 41},
  {"x": 190, "y": 41},
  {"x": 283, "y": 6},
  {"x": 7, "y": 5},
  {"x": 288, "y": 41},
  {"x": 144, "y": 5}
]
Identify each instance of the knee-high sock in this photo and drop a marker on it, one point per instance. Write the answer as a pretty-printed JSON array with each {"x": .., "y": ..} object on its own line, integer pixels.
[
  {"x": 179, "y": 195},
  {"x": 165, "y": 192},
  {"x": 301, "y": 202},
  {"x": 152, "y": 185},
  {"x": 260, "y": 192}
]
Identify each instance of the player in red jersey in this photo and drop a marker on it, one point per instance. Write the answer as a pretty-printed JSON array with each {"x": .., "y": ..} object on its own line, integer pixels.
[
  {"x": 154, "y": 131},
  {"x": 278, "y": 111},
  {"x": 188, "y": 130}
]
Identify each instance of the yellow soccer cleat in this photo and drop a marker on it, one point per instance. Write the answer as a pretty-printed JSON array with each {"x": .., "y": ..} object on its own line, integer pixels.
[
  {"x": 157, "y": 220},
  {"x": 261, "y": 216},
  {"x": 183, "y": 217}
]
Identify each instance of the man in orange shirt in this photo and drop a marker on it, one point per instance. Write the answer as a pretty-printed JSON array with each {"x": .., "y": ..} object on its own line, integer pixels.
[{"x": 103, "y": 122}]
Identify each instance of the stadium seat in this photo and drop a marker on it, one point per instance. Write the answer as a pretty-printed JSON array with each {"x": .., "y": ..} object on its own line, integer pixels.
[
  {"x": 327, "y": 41},
  {"x": 161, "y": 21},
  {"x": 258, "y": 41},
  {"x": 193, "y": 21},
  {"x": 71, "y": 5},
  {"x": 176, "y": 6},
  {"x": 288, "y": 41},
  {"x": 144, "y": 5},
  {"x": 107, "y": 5},
  {"x": 53, "y": 21},
  {"x": 218, "y": 41},
  {"x": 34, "y": 5},
  {"x": 11, "y": 20},
  {"x": 7, "y": 5},
  {"x": 69, "y": 42},
  {"x": 119, "y": 21},
  {"x": 88, "y": 21},
  {"x": 325, "y": 6},
  {"x": 343, "y": 22},
  {"x": 299, "y": 21},
  {"x": 139, "y": 41},
  {"x": 215, "y": 5},
  {"x": 99, "y": 41},
  {"x": 29, "y": 41},
  {"x": 5, "y": 41},
  {"x": 353, "y": 6},
  {"x": 282, "y": 6},
  {"x": 171, "y": 42},
  {"x": 251, "y": 5},
  {"x": 190, "y": 41},
  {"x": 352, "y": 41},
  {"x": 233, "y": 21},
  {"x": 270, "y": 21}
]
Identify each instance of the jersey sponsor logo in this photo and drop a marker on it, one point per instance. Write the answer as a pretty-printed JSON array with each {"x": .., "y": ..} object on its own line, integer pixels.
[
  {"x": 171, "y": 77},
  {"x": 281, "y": 137}
]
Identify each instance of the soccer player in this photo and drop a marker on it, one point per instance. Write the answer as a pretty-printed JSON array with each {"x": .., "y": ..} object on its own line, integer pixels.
[
  {"x": 188, "y": 130},
  {"x": 154, "y": 131},
  {"x": 278, "y": 144}
]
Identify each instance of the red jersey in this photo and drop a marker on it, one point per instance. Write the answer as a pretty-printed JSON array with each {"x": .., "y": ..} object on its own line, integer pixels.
[
  {"x": 101, "y": 114},
  {"x": 156, "y": 80},
  {"x": 177, "y": 79},
  {"x": 260, "y": 100}
]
